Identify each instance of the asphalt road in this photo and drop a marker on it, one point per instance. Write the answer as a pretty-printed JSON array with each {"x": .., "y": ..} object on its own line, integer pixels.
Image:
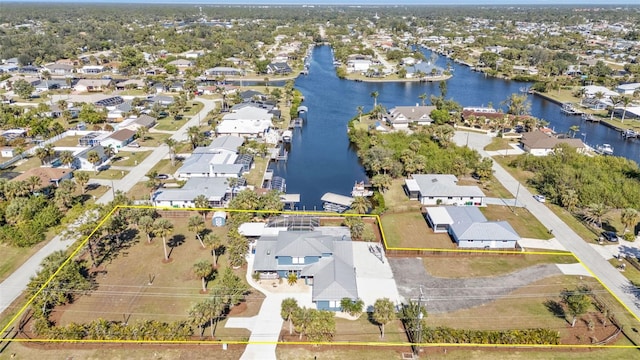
[
  {"x": 16, "y": 283},
  {"x": 597, "y": 265}
]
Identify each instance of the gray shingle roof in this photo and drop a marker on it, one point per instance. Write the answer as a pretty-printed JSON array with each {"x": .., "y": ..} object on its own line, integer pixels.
[{"x": 444, "y": 185}]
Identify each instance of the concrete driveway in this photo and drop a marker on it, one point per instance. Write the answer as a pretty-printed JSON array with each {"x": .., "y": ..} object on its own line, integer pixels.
[
  {"x": 592, "y": 259},
  {"x": 374, "y": 277}
]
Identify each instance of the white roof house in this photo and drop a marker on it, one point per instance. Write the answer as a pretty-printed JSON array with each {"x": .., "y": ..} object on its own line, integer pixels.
[
  {"x": 628, "y": 89},
  {"x": 358, "y": 65},
  {"x": 435, "y": 189},
  {"x": 220, "y": 159},
  {"x": 214, "y": 189},
  {"x": 592, "y": 90},
  {"x": 248, "y": 122},
  {"x": 400, "y": 116}
]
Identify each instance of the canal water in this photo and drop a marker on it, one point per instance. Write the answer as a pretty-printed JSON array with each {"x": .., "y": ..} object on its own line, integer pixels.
[{"x": 321, "y": 159}]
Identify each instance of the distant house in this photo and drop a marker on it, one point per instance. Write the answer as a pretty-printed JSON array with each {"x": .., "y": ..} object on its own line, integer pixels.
[
  {"x": 219, "y": 159},
  {"x": 135, "y": 123},
  {"x": 93, "y": 69},
  {"x": 7, "y": 152},
  {"x": 216, "y": 190},
  {"x": 182, "y": 63},
  {"x": 358, "y": 65},
  {"x": 538, "y": 143},
  {"x": 323, "y": 260},
  {"x": 130, "y": 84},
  {"x": 470, "y": 229},
  {"x": 59, "y": 69},
  {"x": 400, "y": 116},
  {"x": 118, "y": 139},
  {"x": 628, "y": 89},
  {"x": 435, "y": 189},
  {"x": 48, "y": 176},
  {"x": 279, "y": 68},
  {"x": 92, "y": 85},
  {"x": 223, "y": 71}
]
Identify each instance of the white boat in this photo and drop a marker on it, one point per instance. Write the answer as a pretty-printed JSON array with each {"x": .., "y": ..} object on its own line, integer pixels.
[
  {"x": 287, "y": 135},
  {"x": 604, "y": 149},
  {"x": 359, "y": 189}
]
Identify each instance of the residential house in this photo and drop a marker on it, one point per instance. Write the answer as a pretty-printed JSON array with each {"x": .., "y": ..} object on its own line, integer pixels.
[
  {"x": 219, "y": 159},
  {"x": 93, "y": 69},
  {"x": 81, "y": 161},
  {"x": 591, "y": 91},
  {"x": 7, "y": 152},
  {"x": 470, "y": 229},
  {"x": 358, "y": 65},
  {"x": 223, "y": 71},
  {"x": 279, "y": 68},
  {"x": 135, "y": 123},
  {"x": 436, "y": 189},
  {"x": 249, "y": 121},
  {"x": 628, "y": 89},
  {"x": 182, "y": 63},
  {"x": 192, "y": 54},
  {"x": 400, "y": 116},
  {"x": 216, "y": 190},
  {"x": 130, "y": 84},
  {"x": 538, "y": 143},
  {"x": 48, "y": 176},
  {"x": 92, "y": 85},
  {"x": 8, "y": 68},
  {"x": 322, "y": 258},
  {"x": 118, "y": 139}
]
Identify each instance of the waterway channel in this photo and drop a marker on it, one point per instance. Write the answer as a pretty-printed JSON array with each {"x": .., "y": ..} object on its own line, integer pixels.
[{"x": 321, "y": 159}]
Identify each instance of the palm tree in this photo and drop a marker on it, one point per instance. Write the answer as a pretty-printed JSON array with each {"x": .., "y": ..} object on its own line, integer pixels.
[
  {"x": 41, "y": 154},
  {"x": 193, "y": 133},
  {"x": 50, "y": 151},
  {"x": 214, "y": 242},
  {"x": 569, "y": 199},
  {"x": 81, "y": 178},
  {"x": 383, "y": 312},
  {"x": 375, "y": 95},
  {"x": 203, "y": 270},
  {"x": 66, "y": 158},
  {"x": 141, "y": 133},
  {"x": 574, "y": 130},
  {"x": 164, "y": 228},
  {"x": 93, "y": 158},
  {"x": 146, "y": 224},
  {"x": 615, "y": 100},
  {"x": 109, "y": 151},
  {"x": 423, "y": 98},
  {"x": 172, "y": 150},
  {"x": 292, "y": 278},
  {"x": 202, "y": 203},
  {"x": 196, "y": 224},
  {"x": 360, "y": 109},
  {"x": 595, "y": 212},
  {"x": 34, "y": 182},
  {"x": 288, "y": 308},
  {"x": 629, "y": 218},
  {"x": 517, "y": 104},
  {"x": 625, "y": 101},
  {"x": 360, "y": 205}
]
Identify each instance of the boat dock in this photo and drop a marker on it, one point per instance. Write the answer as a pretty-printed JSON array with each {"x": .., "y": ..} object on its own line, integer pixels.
[
  {"x": 336, "y": 202},
  {"x": 279, "y": 154},
  {"x": 569, "y": 109},
  {"x": 630, "y": 134},
  {"x": 590, "y": 117},
  {"x": 296, "y": 123}
]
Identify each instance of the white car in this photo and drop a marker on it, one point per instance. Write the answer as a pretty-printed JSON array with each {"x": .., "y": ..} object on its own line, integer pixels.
[{"x": 540, "y": 198}]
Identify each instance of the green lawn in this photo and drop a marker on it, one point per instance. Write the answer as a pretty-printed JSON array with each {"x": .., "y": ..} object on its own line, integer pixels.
[
  {"x": 630, "y": 272},
  {"x": 498, "y": 143},
  {"x": 68, "y": 141},
  {"x": 522, "y": 221},
  {"x": 129, "y": 158},
  {"x": 108, "y": 174},
  {"x": 478, "y": 266},
  {"x": 154, "y": 139},
  {"x": 169, "y": 123},
  {"x": 255, "y": 175},
  {"x": 14, "y": 257},
  {"x": 410, "y": 230}
]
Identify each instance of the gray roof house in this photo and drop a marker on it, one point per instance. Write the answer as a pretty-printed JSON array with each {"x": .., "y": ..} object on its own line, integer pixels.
[
  {"x": 400, "y": 116},
  {"x": 470, "y": 229},
  {"x": 219, "y": 159},
  {"x": 323, "y": 260},
  {"x": 215, "y": 189},
  {"x": 436, "y": 189}
]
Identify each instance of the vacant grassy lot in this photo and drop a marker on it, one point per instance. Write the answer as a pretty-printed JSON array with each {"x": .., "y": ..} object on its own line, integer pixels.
[
  {"x": 364, "y": 329},
  {"x": 153, "y": 139},
  {"x": 109, "y": 174},
  {"x": 129, "y": 158},
  {"x": 527, "y": 307},
  {"x": 255, "y": 175},
  {"x": 525, "y": 224},
  {"x": 170, "y": 123},
  {"x": 476, "y": 266},
  {"x": 498, "y": 143},
  {"x": 397, "y": 201},
  {"x": 410, "y": 230},
  {"x": 139, "y": 191},
  {"x": 68, "y": 141},
  {"x": 124, "y": 291}
]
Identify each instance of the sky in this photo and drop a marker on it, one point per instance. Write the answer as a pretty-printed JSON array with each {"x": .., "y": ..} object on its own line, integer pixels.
[{"x": 350, "y": 2}]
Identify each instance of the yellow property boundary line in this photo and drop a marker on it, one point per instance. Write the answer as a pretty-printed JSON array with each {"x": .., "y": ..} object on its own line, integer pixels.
[{"x": 316, "y": 213}]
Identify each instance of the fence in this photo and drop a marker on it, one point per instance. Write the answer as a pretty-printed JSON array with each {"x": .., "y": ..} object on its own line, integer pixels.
[{"x": 453, "y": 253}]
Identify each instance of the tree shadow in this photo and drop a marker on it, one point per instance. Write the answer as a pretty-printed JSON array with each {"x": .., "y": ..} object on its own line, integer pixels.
[
  {"x": 174, "y": 242},
  {"x": 556, "y": 308}
]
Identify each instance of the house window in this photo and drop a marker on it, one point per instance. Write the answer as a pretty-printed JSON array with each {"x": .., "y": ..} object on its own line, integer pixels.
[
  {"x": 334, "y": 304},
  {"x": 430, "y": 197},
  {"x": 450, "y": 198},
  {"x": 298, "y": 260},
  {"x": 471, "y": 198},
  {"x": 470, "y": 240}
]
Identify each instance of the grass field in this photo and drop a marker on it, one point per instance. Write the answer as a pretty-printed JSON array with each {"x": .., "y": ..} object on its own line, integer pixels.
[
  {"x": 109, "y": 174},
  {"x": 129, "y": 158},
  {"x": 13, "y": 257},
  {"x": 255, "y": 175},
  {"x": 477, "y": 266},
  {"x": 397, "y": 201},
  {"x": 498, "y": 143},
  {"x": 68, "y": 141},
  {"x": 124, "y": 289},
  {"x": 630, "y": 272},
  {"x": 410, "y": 230},
  {"x": 154, "y": 139},
  {"x": 139, "y": 191},
  {"x": 522, "y": 221}
]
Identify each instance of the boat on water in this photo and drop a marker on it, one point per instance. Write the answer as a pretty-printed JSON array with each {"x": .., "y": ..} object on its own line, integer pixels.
[
  {"x": 360, "y": 189},
  {"x": 604, "y": 149},
  {"x": 569, "y": 109},
  {"x": 630, "y": 134},
  {"x": 589, "y": 117},
  {"x": 287, "y": 135}
]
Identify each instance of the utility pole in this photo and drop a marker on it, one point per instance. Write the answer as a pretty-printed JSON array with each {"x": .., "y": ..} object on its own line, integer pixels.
[
  {"x": 515, "y": 203},
  {"x": 419, "y": 316}
]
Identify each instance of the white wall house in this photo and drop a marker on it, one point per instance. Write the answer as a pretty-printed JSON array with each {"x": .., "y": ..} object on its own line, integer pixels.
[{"x": 435, "y": 189}]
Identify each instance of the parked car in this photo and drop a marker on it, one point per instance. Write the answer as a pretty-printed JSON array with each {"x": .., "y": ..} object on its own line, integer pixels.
[
  {"x": 540, "y": 198},
  {"x": 610, "y": 236},
  {"x": 134, "y": 144},
  {"x": 162, "y": 176}
]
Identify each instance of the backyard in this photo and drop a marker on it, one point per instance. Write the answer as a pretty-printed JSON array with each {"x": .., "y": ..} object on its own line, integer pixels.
[
  {"x": 410, "y": 230},
  {"x": 137, "y": 285}
]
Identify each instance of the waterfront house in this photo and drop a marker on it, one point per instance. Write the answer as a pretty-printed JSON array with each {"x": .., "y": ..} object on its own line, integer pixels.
[
  {"x": 323, "y": 258},
  {"x": 470, "y": 229},
  {"x": 437, "y": 189},
  {"x": 223, "y": 71},
  {"x": 219, "y": 159},
  {"x": 359, "y": 65},
  {"x": 216, "y": 190},
  {"x": 539, "y": 143},
  {"x": 279, "y": 68},
  {"x": 628, "y": 89},
  {"x": 400, "y": 116}
]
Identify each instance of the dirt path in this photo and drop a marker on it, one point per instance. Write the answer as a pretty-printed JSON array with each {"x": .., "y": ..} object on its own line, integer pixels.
[{"x": 445, "y": 295}]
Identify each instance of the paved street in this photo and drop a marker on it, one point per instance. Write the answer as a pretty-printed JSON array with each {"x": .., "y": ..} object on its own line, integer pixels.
[
  {"x": 15, "y": 284},
  {"x": 611, "y": 277}
]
